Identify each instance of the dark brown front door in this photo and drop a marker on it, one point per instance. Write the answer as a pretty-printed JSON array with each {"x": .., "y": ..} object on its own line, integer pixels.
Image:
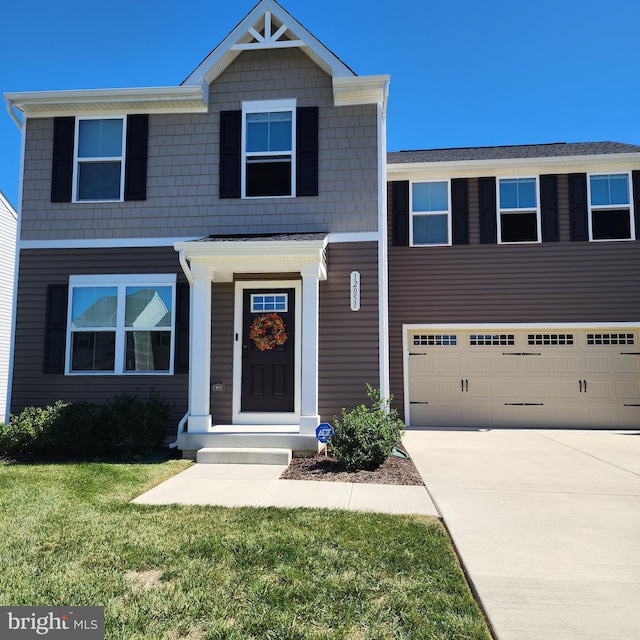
[{"x": 268, "y": 375}]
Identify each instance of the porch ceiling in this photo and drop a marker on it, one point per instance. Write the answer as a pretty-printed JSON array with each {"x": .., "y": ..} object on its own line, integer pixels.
[{"x": 223, "y": 256}]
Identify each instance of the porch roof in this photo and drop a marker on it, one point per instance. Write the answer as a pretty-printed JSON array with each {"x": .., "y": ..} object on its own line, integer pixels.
[{"x": 222, "y": 256}]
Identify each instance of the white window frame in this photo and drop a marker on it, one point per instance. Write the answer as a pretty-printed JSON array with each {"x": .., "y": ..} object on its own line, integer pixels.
[
  {"x": 121, "y": 282},
  {"x": 500, "y": 211},
  {"x": 632, "y": 219},
  {"x": 268, "y": 106},
  {"x": 413, "y": 214},
  {"x": 77, "y": 161}
]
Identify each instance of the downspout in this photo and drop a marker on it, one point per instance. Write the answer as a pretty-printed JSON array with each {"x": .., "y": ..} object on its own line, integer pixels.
[{"x": 187, "y": 272}]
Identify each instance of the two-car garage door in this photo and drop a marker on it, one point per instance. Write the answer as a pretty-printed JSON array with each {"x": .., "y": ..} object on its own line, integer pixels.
[{"x": 520, "y": 377}]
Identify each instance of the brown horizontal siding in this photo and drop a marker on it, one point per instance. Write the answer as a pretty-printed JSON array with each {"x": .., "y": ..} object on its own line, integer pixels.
[
  {"x": 39, "y": 268},
  {"x": 348, "y": 339},
  {"x": 549, "y": 282},
  {"x": 222, "y": 306}
]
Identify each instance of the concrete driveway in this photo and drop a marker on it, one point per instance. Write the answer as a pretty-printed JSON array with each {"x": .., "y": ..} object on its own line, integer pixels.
[{"x": 547, "y": 523}]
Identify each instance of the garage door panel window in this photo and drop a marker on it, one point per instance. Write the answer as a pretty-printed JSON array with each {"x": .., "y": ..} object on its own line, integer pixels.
[
  {"x": 492, "y": 340},
  {"x": 430, "y": 214},
  {"x": 518, "y": 211},
  {"x": 435, "y": 340},
  {"x": 550, "y": 339},
  {"x": 607, "y": 339},
  {"x": 611, "y": 215}
]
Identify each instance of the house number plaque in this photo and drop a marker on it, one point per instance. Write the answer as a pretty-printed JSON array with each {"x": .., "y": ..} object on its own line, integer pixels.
[{"x": 355, "y": 291}]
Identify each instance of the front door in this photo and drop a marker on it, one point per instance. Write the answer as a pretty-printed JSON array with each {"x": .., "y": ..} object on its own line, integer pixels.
[{"x": 268, "y": 332}]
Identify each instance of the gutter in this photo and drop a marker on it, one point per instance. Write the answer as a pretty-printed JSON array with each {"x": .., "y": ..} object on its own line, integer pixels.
[{"x": 12, "y": 113}]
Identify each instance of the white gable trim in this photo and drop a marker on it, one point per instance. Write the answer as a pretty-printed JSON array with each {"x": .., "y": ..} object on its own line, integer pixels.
[{"x": 247, "y": 36}]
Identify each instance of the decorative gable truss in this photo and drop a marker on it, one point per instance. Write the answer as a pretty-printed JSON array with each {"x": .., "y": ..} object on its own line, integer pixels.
[{"x": 272, "y": 34}]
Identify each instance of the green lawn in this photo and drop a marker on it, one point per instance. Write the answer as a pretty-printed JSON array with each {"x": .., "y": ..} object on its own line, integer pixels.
[{"x": 68, "y": 536}]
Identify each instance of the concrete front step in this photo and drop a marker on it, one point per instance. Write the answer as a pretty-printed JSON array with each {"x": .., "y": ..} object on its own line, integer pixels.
[
  {"x": 218, "y": 439},
  {"x": 243, "y": 455}
]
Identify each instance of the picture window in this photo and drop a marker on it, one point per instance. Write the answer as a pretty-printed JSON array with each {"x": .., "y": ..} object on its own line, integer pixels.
[{"x": 120, "y": 327}]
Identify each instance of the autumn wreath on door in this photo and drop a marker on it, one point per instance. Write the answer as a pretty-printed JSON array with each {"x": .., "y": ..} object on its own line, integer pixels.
[{"x": 268, "y": 331}]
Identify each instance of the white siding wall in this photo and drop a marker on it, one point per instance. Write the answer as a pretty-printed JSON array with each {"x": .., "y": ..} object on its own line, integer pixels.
[{"x": 8, "y": 227}]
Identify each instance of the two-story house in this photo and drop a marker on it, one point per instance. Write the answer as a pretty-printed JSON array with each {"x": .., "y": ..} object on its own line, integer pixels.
[
  {"x": 244, "y": 206},
  {"x": 242, "y": 244}
]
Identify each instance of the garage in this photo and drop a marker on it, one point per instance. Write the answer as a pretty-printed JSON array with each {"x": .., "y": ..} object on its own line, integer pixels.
[{"x": 519, "y": 376}]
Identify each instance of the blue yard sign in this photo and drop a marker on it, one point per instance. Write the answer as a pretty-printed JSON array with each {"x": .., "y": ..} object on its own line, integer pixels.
[{"x": 324, "y": 432}]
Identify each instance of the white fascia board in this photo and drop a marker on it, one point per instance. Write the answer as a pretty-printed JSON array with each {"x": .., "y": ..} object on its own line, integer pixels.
[
  {"x": 224, "y": 259},
  {"x": 499, "y": 326},
  {"x": 361, "y": 90},
  {"x": 42, "y": 104},
  {"x": 223, "y": 55},
  {"x": 482, "y": 168}
]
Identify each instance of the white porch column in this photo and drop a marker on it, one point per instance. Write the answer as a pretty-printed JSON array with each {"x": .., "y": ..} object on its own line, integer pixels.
[
  {"x": 309, "y": 418},
  {"x": 200, "y": 350}
]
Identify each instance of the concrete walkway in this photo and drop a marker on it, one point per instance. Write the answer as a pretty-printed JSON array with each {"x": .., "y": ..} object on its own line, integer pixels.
[
  {"x": 547, "y": 524},
  {"x": 243, "y": 485}
]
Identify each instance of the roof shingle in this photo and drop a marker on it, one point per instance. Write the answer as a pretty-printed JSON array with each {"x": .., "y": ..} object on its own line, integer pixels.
[{"x": 551, "y": 150}]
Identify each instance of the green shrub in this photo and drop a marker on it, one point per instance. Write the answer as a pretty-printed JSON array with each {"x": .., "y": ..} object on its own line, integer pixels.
[
  {"x": 364, "y": 437},
  {"x": 31, "y": 429},
  {"x": 135, "y": 425},
  {"x": 124, "y": 426}
]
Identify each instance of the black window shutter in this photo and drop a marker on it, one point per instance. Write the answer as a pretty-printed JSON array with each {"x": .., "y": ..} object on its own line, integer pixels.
[
  {"x": 549, "y": 208},
  {"x": 307, "y": 151},
  {"x": 62, "y": 166},
  {"x": 578, "y": 206},
  {"x": 460, "y": 210},
  {"x": 55, "y": 332},
  {"x": 181, "y": 360},
  {"x": 400, "y": 213},
  {"x": 635, "y": 179},
  {"x": 135, "y": 167},
  {"x": 230, "y": 153},
  {"x": 488, "y": 222}
]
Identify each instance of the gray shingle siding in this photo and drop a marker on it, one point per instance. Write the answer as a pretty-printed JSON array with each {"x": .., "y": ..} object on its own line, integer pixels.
[{"x": 182, "y": 173}]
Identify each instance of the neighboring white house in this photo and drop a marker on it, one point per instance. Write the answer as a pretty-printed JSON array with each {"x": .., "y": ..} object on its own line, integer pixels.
[{"x": 8, "y": 228}]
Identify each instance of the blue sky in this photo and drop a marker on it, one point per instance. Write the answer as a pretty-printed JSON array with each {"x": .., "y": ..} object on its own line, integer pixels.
[{"x": 463, "y": 72}]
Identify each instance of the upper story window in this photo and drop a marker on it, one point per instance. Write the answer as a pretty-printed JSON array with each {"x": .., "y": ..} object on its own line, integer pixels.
[
  {"x": 99, "y": 159},
  {"x": 120, "y": 324},
  {"x": 430, "y": 213},
  {"x": 611, "y": 215},
  {"x": 268, "y": 163},
  {"x": 518, "y": 211}
]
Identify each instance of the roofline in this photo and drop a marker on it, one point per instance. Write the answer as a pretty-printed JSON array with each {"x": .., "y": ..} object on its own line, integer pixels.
[
  {"x": 482, "y": 167},
  {"x": 41, "y": 104}
]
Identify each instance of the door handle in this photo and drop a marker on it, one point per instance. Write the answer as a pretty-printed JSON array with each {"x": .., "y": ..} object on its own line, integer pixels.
[
  {"x": 585, "y": 386},
  {"x": 580, "y": 382},
  {"x": 467, "y": 385},
  {"x": 462, "y": 386}
]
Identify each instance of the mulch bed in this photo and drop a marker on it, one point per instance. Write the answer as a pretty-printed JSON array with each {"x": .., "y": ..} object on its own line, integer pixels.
[{"x": 393, "y": 471}]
